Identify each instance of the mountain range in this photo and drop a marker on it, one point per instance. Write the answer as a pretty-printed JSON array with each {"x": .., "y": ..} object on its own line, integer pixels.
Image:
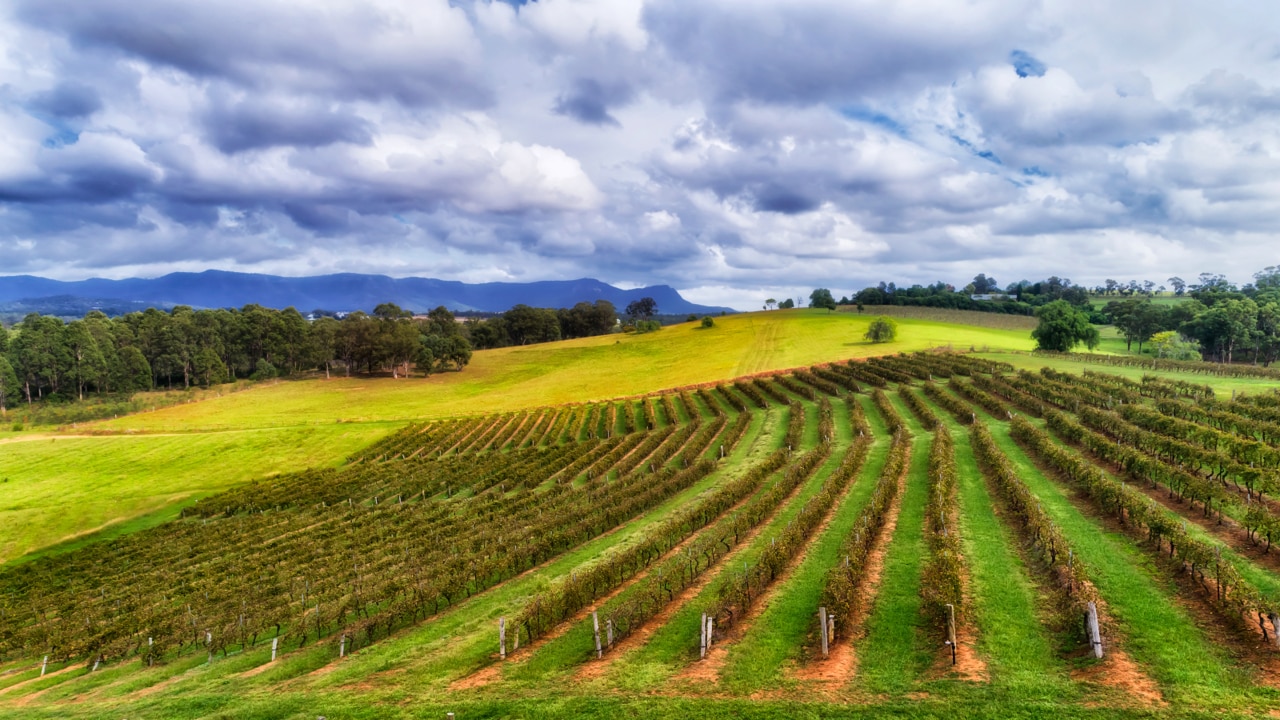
[{"x": 340, "y": 292}]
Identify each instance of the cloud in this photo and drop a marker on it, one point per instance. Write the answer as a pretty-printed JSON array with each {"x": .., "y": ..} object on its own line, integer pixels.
[
  {"x": 68, "y": 100},
  {"x": 249, "y": 125},
  {"x": 729, "y": 148},
  {"x": 420, "y": 53},
  {"x": 589, "y": 101}
]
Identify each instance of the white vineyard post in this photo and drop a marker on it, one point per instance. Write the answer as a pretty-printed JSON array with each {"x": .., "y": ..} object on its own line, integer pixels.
[
  {"x": 502, "y": 638},
  {"x": 702, "y": 638},
  {"x": 1095, "y": 634},
  {"x": 595, "y": 628},
  {"x": 822, "y": 629},
  {"x": 951, "y": 630}
]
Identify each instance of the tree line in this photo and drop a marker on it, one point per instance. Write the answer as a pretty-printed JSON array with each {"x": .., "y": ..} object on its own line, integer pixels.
[
  {"x": 525, "y": 325},
  {"x": 44, "y": 357},
  {"x": 1219, "y": 321},
  {"x": 1018, "y": 298}
]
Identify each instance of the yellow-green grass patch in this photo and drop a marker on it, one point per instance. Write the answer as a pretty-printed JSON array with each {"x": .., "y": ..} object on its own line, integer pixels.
[
  {"x": 61, "y": 489},
  {"x": 582, "y": 370}
]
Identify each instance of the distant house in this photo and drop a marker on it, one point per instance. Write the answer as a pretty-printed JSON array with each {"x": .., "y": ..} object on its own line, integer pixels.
[{"x": 988, "y": 296}]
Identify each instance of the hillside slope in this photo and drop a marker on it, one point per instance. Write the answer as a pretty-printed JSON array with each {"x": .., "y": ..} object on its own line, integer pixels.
[{"x": 131, "y": 477}]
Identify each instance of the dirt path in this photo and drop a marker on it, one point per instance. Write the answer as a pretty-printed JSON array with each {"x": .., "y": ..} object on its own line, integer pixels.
[
  {"x": 25, "y": 683},
  {"x": 642, "y": 634},
  {"x": 830, "y": 675},
  {"x": 969, "y": 665},
  {"x": 493, "y": 672},
  {"x": 710, "y": 668}
]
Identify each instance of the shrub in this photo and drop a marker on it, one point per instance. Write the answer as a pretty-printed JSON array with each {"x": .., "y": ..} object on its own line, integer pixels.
[
  {"x": 264, "y": 371},
  {"x": 708, "y": 322},
  {"x": 882, "y": 329}
]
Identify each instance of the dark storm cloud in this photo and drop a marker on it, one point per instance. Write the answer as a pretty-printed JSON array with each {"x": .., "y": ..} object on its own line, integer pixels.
[
  {"x": 589, "y": 101},
  {"x": 68, "y": 100},
  {"x": 820, "y": 51},
  {"x": 355, "y": 52},
  {"x": 248, "y": 125}
]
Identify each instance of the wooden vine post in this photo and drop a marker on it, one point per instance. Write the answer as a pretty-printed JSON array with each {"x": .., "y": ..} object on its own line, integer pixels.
[
  {"x": 951, "y": 630},
  {"x": 595, "y": 629},
  {"x": 1095, "y": 634},
  {"x": 822, "y": 630}
]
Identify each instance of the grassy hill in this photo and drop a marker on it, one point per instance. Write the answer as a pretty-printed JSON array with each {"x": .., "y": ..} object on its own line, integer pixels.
[
  {"x": 137, "y": 470},
  {"x": 536, "y": 488}
]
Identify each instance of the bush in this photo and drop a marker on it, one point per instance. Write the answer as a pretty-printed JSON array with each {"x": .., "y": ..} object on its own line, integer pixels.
[
  {"x": 646, "y": 326},
  {"x": 708, "y": 322},
  {"x": 264, "y": 371},
  {"x": 18, "y": 427},
  {"x": 882, "y": 329}
]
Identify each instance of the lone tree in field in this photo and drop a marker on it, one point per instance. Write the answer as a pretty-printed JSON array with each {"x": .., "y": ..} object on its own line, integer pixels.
[
  {"x": 882, "y": 329},
  {"x": 642, "y": 309},
  {"x": 1062, "y": 327},
  {"x": 821, "y": 298}
]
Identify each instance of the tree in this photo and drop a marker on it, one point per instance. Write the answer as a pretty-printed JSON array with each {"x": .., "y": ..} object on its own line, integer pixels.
[
  {"x": 1138, "y": 319},
  {"x": 134, "y": 373},
  {"x": 87, "y": 364},
  {"x": 882, "y": 329},
  {"x": 1178, "y": 284},
  {"x": 1170, "y": 346},
  {"x": 786, "y": 304},
  {"x": 1062, "y": 327},
  {"x": 821, "y": 298},
  {"x": 769, "y": 303},
  {"x": 9, "y": 388},
  {"x": 525, "y": 324},
  {"x": 983, "y": 284},
  {"x": 642, "y": 309}
]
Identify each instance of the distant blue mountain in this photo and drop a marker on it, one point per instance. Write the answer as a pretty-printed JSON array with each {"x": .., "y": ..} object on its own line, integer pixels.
[{"x": 342, "y": 292}]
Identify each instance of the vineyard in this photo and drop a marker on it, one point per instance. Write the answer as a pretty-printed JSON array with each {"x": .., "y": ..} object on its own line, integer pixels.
[{"x": 934, "y": 533}]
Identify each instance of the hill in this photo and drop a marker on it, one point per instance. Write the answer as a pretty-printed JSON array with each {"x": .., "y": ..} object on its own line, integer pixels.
[
  {"x": 377, "y": 531},
  {"x": 952, "y": 520},
  {"x": 340, "y": 293},
  {"x": 147, "y": 464}
]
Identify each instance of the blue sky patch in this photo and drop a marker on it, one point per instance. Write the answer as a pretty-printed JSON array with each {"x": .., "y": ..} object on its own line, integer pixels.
[{"x": 1026, "y": 65}]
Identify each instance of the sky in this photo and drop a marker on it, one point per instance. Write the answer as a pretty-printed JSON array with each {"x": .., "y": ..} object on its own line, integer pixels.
[{"x": 737, "y": 150}]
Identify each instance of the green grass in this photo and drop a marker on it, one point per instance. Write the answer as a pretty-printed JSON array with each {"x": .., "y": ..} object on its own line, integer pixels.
[
  {"x": 59, "y": 489},
  {"x": 1223, "y": 386},
  {"x": 1157, "y": 632},
  {"x": 894, "y": 654},
  {"x": 108, "y": 483},
  {"x": 975, "y": 318},
  {"x": 774, "y": 641},
  {"x": 1004, "y": 602},
  {"x": 580, "y": 370},
  {"x": 674, "y": 645}
]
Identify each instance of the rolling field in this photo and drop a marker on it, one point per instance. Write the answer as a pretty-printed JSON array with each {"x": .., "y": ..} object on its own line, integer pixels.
[
  {"x": 121, "y": 480},
  {"x": 601, "y": 536},
  {"x": 55, "y": 488},
  {"x": 582, "y": 370},
  {"x": 993, "y": 321}
]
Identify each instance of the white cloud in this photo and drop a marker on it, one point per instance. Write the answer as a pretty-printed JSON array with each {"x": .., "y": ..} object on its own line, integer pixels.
[{"x": 732, "y": 148}]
